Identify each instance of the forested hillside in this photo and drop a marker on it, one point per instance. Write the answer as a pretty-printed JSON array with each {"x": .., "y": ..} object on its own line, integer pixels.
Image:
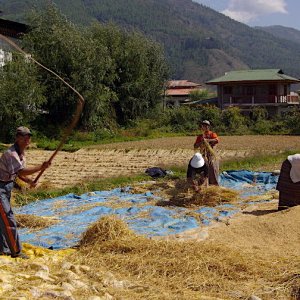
[
  {"x": 283, "y": 32},
  {"x": 199, "y": 42}
]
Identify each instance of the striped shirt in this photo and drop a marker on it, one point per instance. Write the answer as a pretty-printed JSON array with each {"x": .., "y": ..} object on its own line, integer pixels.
[{"x": 11, "y": 162}]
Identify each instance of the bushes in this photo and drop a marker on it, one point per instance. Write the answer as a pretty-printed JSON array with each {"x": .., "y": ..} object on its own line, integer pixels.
[
  {"x": 229, "y": 122},
  {"x": 234, "y": 122},
  {"x": 292, "y": 121},
  {"x": 181, "y": 119},
  {"x": 211, "y": 113}
]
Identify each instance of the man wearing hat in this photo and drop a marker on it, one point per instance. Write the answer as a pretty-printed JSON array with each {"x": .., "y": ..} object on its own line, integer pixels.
[
  {"x": 206, "y": 142},
  {"x": 13, "y": 164},
  {"x": 197, "y": 166}
]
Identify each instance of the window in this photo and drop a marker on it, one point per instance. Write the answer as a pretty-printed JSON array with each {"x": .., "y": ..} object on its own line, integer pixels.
[
  {"x": 227, "y": 90},
  {"x": 272, "y": 89},
  {"x": 249, "y": 90}
]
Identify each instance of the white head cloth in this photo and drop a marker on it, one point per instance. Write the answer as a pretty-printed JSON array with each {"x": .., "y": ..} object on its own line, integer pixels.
[{"x": 295, "y": 170}]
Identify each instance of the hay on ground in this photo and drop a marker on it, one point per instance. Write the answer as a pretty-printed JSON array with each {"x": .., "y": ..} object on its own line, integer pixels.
[
  {"x": 34, "y": 222},
  {"x": 212, "y": 196},
  {"x": 182, "y": 194},
  {"x": 107, "y": 228},
  {"x": 182, "y": 270}
]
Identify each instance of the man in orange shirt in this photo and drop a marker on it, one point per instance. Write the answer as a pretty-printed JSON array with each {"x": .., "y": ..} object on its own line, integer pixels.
[{"x": 205, "y": 142}]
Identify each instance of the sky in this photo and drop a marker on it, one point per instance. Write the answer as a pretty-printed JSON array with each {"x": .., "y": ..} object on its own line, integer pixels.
[{"x": 259, "y": 12}]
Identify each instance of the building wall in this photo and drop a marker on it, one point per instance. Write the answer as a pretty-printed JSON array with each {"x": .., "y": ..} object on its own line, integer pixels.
[
  {"x": 4, "y": 57},
  {"x": 253, "y": 94}
]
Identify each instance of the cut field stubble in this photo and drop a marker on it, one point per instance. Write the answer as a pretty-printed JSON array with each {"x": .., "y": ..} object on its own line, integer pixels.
[{"x": 129, "y": 158}]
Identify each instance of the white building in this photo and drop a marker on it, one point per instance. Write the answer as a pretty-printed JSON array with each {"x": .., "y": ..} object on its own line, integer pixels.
[{"x": 4, "y": 57}]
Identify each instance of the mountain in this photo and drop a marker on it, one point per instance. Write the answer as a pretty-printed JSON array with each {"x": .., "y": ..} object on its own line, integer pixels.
[
  {"x": 199, "y": 43},
  {"x": 286, "y": 33}
]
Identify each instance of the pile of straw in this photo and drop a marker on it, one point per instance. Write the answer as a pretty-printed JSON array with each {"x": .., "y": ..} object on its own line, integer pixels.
[
  {"x": 34, "y": 222},
  {"x": 182, "y": 194},
  {"x": 212, "y": 196},
  {"x": 108, "y": 228}
]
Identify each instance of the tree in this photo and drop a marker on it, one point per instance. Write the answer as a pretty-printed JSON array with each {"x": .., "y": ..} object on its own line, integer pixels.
[
  {"x": 65, "y": 49},
  {"x": 211, "y": 113},
  {"x": 234, "y": 121},
  {"x": 139, "y": 71},
  {"x": 292, "y": 120},
  {"x": 119, "y": 74},
  {"x": 198, "y": 95},
  {"x": 21, "y": 96}
]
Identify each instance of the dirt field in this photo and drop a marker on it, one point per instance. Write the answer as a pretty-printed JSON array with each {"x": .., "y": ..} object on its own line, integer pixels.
[{"x": 128, "y": 158}]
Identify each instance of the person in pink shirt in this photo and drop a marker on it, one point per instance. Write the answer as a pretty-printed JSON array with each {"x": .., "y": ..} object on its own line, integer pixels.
[{"x": 13, "y": 165}]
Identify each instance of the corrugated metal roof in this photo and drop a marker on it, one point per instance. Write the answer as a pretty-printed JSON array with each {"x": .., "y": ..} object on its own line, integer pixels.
[
  {"x": 203, "y": 101},
  {"x": 179, "y": 92},
  {"x": 254, "y": 75},
  {"x": 182, "y": 83}
]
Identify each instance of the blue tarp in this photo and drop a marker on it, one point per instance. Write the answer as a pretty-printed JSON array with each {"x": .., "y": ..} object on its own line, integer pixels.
[{"x": 75, "y": 213}]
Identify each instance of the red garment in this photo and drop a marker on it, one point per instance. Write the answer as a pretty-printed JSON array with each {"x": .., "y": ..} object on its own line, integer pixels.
[{"x": 208, "y": 135}]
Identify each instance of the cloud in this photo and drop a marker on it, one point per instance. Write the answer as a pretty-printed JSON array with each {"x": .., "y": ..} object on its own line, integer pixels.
[{"x": 247, "y": 10}]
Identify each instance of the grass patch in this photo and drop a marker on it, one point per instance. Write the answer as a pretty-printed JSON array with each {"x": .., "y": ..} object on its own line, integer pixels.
[
  {"x": 79, "y": 141},
  {"x": 256, "y": 162}
]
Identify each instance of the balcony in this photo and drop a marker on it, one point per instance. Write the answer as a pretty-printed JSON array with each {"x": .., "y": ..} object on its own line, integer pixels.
[{"x": 268, "y": 100}]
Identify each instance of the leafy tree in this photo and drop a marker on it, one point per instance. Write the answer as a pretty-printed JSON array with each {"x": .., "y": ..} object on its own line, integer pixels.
[
  {"x": 182, "y": 118},
  {"x": 258, "y": 113},
  {"x": 292, "y": 121},
  {"x": 234, "y": 121},
  {"x": 21, "y": 96},
  {"x": 62, "y": 47},
  {"x": 211, "y": 113},
  {"x": 119, "y": 74},
  {"x": 198, "y": 95},
  {"x": 259, "y": 121},
  {"x": 139, "y": 70}
]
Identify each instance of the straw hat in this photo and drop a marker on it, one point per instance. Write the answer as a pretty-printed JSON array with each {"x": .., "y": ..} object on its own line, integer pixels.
[{"x": 197, "y": 161}]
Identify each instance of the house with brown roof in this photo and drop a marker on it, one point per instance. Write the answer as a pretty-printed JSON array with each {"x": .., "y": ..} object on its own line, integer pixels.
[
  {"x": 270, "y": 88},
  {"x": 177, "y": 91}
]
